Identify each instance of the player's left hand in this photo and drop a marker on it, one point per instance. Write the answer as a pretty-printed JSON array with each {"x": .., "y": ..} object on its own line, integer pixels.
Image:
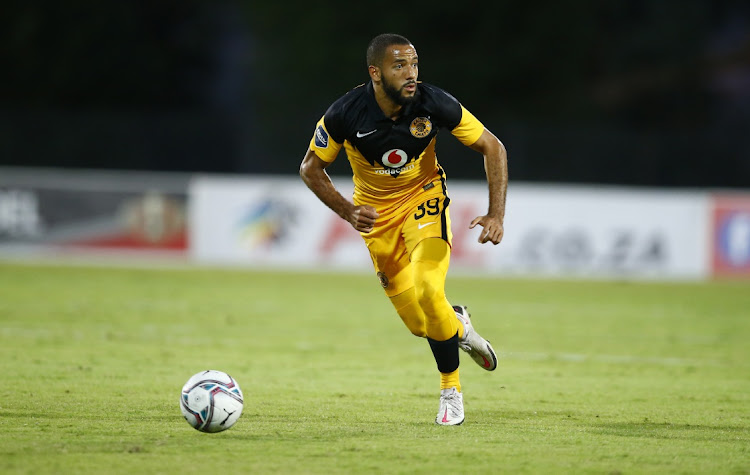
[{"x": 492, "y": 229}]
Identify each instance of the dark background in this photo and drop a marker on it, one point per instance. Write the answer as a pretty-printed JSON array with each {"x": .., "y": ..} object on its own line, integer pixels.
[{"x": 632, "y": 92}]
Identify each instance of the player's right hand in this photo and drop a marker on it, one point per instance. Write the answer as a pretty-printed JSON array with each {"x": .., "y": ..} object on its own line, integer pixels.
[{"x": 363, "y": 218}]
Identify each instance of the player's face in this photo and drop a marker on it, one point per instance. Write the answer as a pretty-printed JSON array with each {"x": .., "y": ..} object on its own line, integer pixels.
[{"x": 399, "y": 73}]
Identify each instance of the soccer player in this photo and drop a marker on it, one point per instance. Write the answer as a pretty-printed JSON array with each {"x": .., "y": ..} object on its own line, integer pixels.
[{"x": 388, "y": 128}]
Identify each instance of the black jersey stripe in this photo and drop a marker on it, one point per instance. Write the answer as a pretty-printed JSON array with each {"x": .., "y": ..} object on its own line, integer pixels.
[
  {"x": 441, "y": 174},
  {"x": 446, "y": 202},
  {"x": 444, "y": 220}
]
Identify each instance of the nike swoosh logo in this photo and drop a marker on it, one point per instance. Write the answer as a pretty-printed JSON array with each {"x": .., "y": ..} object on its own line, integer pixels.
[
  {"x": 445, "y": 416},
  {"x": 360, "y": 134},
  {"x": 422, "y": 225}
]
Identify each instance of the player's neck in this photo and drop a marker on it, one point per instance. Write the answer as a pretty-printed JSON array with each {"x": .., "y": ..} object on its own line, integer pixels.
[{"x": 390, "y": 109}]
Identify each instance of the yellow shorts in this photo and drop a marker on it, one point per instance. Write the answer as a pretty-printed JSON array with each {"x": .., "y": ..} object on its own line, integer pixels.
[{"x": 391, "y": 241}]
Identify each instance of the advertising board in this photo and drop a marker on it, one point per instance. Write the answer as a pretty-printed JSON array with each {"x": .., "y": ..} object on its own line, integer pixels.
[{"x": 549, "y": 231}]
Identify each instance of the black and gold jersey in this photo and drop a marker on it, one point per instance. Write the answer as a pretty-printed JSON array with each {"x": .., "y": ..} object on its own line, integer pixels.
[{"x": 390, "y": 159}]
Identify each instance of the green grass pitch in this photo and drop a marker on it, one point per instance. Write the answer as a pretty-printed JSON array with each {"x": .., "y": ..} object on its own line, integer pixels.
[{"x": 594, "y": 377}]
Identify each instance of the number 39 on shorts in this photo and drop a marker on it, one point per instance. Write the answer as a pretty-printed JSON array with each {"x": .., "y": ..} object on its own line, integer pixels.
[
  {"x": 429, "y": 219},
  {"x": 430, "y": 207}
]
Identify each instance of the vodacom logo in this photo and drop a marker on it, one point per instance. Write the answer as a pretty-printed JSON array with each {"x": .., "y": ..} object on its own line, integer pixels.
[{"x": 395, "y": 158}]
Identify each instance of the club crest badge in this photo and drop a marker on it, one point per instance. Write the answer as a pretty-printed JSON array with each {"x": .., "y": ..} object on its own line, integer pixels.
[{"x": 420, "y": 127}]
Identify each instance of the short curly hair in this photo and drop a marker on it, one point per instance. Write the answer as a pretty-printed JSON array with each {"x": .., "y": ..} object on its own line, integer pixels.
[{"x": 378, "y": 45}]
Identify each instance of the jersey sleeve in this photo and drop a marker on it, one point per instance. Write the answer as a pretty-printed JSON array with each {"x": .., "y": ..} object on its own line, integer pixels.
[
  {"x": 454, "y": 116},
  {"x": 469, "y": 129},
  {"x": 323, "y": 144}
]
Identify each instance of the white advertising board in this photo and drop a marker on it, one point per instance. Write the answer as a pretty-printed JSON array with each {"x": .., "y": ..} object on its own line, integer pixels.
[
  {"x": 269, "y": 222},
  {"x": 549, "y": 230},
  {"x": 587, "y": 232}
]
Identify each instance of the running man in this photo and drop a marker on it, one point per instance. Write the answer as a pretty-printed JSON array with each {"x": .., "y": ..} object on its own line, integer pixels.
[{"x": 388, "y": 129}]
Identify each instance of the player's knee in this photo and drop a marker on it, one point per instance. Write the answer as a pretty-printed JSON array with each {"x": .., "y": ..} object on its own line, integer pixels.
[
  {"x": 413, "y": 322},
  {"x": 427, "y": 293},
  {"x": 418, "y": 331},
  {"x": 411, "y": 313}
]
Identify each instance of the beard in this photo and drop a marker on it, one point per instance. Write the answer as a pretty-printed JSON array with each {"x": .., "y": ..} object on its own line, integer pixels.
[{"x": 396, "y": 94}]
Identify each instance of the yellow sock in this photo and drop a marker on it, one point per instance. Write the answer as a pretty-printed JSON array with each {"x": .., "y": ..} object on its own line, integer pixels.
[{"x": 448, "y": 380}]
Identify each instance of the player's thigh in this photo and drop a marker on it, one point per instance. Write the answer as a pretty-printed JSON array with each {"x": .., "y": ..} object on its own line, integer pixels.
[
  {"x": 390, "y": 258},
  {"x": 429, "y": 219}
]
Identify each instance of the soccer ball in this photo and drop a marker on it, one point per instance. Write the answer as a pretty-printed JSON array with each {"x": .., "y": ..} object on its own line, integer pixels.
[{"x": 211, "y": 401}]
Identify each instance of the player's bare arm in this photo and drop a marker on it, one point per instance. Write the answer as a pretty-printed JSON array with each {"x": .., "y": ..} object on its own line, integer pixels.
[
  {"x": 313, "y": 173},
  {"x": 496, "y": 168}
]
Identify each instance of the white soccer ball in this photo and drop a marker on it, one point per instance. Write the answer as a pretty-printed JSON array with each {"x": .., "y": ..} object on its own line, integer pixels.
[{"x": 211, "y": 401}]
